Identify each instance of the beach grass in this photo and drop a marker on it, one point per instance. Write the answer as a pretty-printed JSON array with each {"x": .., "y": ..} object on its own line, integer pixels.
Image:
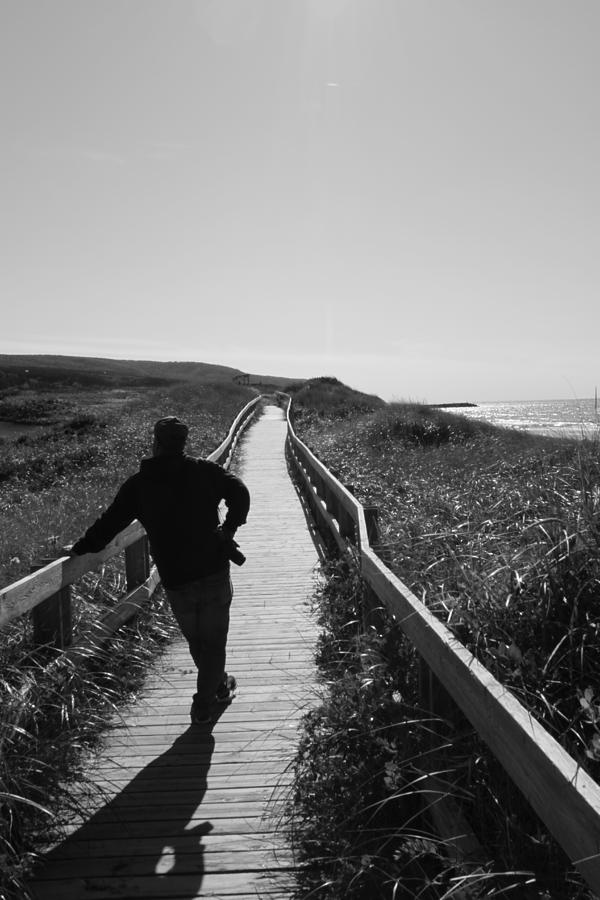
[
  {"x": 52, "y": 486},
  {"x": 498, "y": 532}
]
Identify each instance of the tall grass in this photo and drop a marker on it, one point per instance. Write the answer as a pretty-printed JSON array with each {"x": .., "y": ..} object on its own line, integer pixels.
[
  {"x": 53, "y": 485},
  {"x": 499, "y": 534},
  {"x": 360, "y": 808},
  {"x": 54, "y": 710},
  {"x": 326, "y": 396}
]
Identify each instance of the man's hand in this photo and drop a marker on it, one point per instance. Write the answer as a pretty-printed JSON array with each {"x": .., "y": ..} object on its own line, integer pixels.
[{"x": 225, "y": 537}]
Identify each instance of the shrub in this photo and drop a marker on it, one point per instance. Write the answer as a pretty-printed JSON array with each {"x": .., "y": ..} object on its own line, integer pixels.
[{"x": 327, "y": 397}]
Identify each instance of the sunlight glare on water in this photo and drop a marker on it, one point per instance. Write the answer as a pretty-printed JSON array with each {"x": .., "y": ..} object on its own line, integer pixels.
[{"x": 560, "y": 418}]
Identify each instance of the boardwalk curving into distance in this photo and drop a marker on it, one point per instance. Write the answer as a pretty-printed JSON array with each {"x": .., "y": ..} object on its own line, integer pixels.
[{"x": 188, "y": 813}]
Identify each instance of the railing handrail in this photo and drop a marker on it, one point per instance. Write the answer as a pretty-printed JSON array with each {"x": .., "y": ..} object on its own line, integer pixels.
[
  {"x": 227, "y": 447},
  {"x": 348, "y": 500},
  {"x": 564, "y": 796},
  {"x": 28, "y": 592}
]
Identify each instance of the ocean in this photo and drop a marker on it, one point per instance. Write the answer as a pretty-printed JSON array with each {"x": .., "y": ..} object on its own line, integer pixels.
[{"x": 559, "y": 418}]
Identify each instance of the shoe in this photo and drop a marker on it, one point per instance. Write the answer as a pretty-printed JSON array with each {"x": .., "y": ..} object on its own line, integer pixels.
[
  {"x": 226, "y": 690},
  {"x": 200, "y": 716}
]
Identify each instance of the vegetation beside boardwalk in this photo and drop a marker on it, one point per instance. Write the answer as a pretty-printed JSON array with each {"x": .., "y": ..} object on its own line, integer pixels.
[
  {"x": 499, "y": 533},
  {"x": 52, "y": 486},
  {"x": 53, "y": 483},
  {"x": 355, "y": 810},
  {"x": 54, "y": 712},
  {"x": 359, "y": 808}
]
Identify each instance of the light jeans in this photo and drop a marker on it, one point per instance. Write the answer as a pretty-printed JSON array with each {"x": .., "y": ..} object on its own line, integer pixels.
[{"x": 201, "y": 608}]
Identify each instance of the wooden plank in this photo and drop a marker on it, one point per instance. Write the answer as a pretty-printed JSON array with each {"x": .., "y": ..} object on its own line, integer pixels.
[
  {"x": 26, "y": 593},
  {"x": 239, "y": 733},
  {"x": 232, "y": 751},
  {"x": 166, "y": 887},
  {"x": 252, "y": 764},
  {"x": 223, "y": 791},
  {"x": 268, "y": 688},
  {"x": 125, "y": 805},
  {"x": 247, "y": 727},
  {"x": 195, "y": 859},
  {"x": 137, "y": 563},
  {"x": 248, "y": 820},
  {"x": 171, "y": 820},
  {"x": 52, "y": 620},
  {"x": 262, "y": 672},
  {"x": 271, "y": 686},
  {"x": 228, "y": 773},
  {"x": 222, "y": 762},
  {"x": 237, "y": 751},
  {"x": 267, "y": 701},
  {"x": 187, "y": 842}
]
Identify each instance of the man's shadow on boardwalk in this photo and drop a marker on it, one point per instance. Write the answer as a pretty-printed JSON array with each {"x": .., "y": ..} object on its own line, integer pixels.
[{"x": 146, "y": 827}]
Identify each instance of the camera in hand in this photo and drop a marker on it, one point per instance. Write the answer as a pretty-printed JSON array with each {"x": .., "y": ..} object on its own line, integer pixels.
[
  {"x": 229, "y": 547},
  {"x": 235, "y": 554}
]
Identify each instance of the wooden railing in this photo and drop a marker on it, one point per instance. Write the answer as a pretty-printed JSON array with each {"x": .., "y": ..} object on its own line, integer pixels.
[
  {"x": 47, "y": 591},
  {"x": 565, "y": 797},
  {"x": 224, "y": 451}
]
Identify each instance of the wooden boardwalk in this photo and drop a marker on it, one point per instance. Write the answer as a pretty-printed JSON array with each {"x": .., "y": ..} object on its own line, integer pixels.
[{"x": 188, "y": 813}]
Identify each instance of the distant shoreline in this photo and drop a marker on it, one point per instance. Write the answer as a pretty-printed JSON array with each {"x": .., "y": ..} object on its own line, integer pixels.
[{"x": 449, "y": 405}]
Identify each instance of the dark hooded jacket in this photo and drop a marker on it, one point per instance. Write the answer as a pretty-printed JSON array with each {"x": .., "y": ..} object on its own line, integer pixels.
[{"x": 176, "y": 498}]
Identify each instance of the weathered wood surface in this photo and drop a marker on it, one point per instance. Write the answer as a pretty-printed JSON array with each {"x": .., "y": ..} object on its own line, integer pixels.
[
  {"x": 224, "y": 451},
  {"x": 186, "y": 813},
  {"x": 23, "y": 595}
]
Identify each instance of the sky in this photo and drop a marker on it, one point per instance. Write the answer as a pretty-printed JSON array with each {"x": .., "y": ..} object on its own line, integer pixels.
[{"x": 404, "y": 194}]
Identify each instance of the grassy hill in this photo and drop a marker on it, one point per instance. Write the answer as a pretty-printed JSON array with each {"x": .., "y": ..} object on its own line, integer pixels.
[
  {"x": 328, "y": 397},
  {"x": 42, "y": 371}
]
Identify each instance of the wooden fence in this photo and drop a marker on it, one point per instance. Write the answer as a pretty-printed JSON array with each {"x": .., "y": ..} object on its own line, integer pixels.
[
  {"x": 562, "y": 794},
  {"x": 47, "y": 591}
]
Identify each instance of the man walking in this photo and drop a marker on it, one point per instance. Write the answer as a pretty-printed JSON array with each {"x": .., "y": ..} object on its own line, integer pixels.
[{"x": 176, "y": 498}]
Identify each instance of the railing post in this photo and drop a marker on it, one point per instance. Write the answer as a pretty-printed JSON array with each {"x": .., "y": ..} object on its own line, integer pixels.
[
  {"x": 52, "y": 620},
  {"x": 347, "y": 525},
  {"x": 332, "y": 502},
  {"x": 137, "y": 563},
  {"x": 372, "y": 523},
  {"x": 373, "y": 612},
  {"x": 426, "y": 692},
  {"x": 317, "y": 482},
  {"x": 374, "y": 534}
]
